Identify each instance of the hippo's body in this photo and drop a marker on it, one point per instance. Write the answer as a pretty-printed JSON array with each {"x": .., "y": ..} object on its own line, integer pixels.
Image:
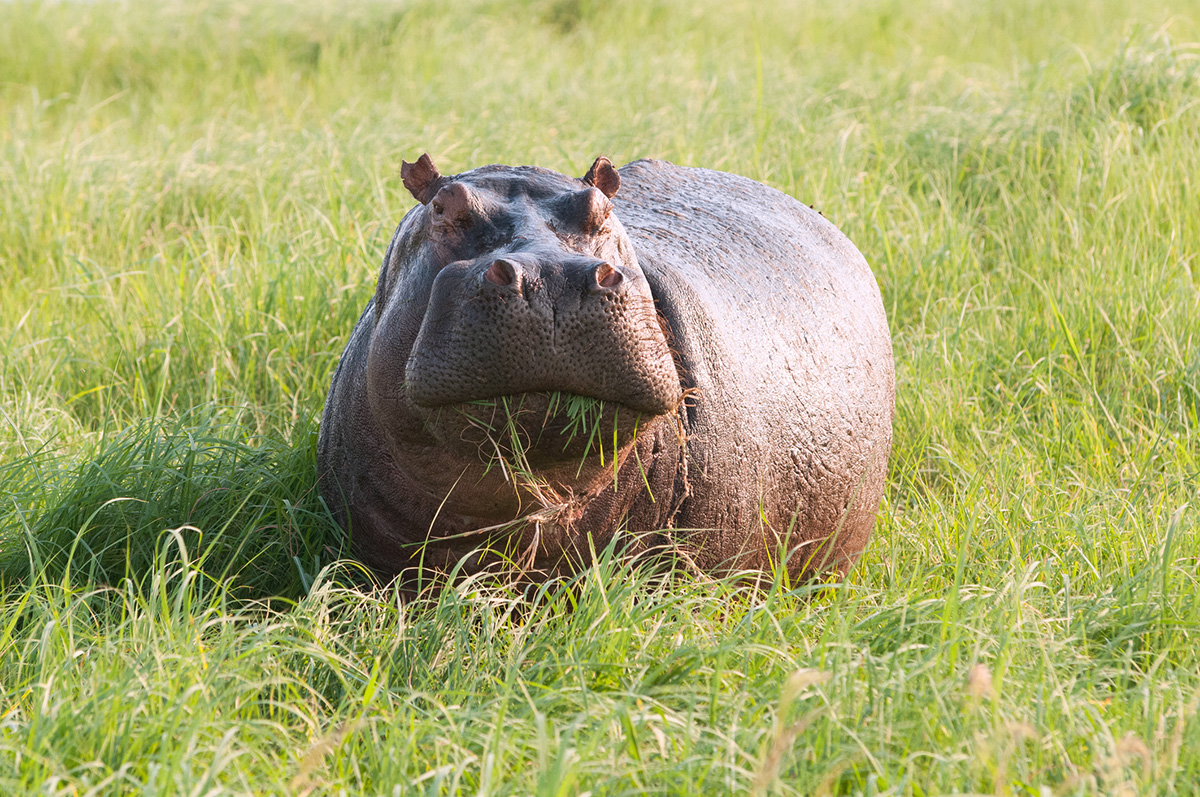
[{"x": 737, "y": 340}]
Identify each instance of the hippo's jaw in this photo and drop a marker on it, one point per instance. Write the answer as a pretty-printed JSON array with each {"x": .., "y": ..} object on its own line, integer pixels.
[
  {"x": 519, "y": 323},
  {"x": 540, "y": 455}
]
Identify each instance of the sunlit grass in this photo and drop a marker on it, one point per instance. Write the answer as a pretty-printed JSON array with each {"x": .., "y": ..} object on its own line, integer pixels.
[{"x": 195, "y": 200}]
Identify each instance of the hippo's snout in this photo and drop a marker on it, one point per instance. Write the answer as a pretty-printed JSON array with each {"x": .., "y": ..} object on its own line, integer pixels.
[
  {"x": 519, "y": 323},
  {"x": 583, "y": 275}
]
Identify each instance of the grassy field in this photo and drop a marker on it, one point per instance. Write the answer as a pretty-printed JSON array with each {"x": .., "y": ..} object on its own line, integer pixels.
[{"x": 194, "y": 199}]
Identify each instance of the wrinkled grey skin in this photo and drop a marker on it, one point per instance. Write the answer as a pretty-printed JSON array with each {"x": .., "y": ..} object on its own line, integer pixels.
[{"x": 737, "y": 337}]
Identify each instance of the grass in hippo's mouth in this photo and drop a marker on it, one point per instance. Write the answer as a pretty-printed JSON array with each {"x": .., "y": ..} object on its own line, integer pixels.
[
  {"x": 557, "y": 421},
  {"x": 566, "y": 416},
  {"x": 583, "y": 414}
]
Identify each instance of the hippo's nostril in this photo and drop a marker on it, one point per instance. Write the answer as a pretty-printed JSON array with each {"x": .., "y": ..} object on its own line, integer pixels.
[
  {"x": 501, "y": 272},
  {"x": 607, "y": 276}
]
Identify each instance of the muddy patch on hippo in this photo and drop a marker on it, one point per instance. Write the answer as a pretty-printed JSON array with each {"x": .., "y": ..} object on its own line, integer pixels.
[{"x": 680, "y": 359}]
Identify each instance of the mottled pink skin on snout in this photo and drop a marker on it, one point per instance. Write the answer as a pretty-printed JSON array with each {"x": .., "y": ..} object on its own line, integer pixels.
[{"x": 737, "y": 338}]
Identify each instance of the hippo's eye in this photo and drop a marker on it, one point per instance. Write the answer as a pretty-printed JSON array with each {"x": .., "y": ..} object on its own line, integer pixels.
[{"x": 437, "y": 207}]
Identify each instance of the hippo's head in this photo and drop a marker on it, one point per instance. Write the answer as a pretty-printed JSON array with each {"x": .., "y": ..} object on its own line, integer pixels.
[{"x": 514, "y": 285}]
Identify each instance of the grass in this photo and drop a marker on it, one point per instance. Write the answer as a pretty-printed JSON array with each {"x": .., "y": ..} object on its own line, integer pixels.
[
  {"x": 504, "y": 420},
  {"x": 195, "y": 201}
]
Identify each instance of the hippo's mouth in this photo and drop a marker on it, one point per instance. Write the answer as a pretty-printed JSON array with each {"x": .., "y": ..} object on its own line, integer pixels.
[{"x": 539, "y": 429}]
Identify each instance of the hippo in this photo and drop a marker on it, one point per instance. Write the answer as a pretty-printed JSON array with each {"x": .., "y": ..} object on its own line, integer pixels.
[{"x": 658, "y": 358}]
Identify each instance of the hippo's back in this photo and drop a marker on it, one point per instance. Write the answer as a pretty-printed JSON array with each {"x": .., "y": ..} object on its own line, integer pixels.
[{"x": 779, "y": 327}]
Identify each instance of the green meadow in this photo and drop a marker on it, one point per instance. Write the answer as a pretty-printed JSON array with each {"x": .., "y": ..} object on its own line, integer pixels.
[{"x": 194, "y": 202}]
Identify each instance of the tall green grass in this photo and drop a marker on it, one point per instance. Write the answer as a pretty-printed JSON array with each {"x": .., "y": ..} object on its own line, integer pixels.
[{"x": 194, "y": 199}]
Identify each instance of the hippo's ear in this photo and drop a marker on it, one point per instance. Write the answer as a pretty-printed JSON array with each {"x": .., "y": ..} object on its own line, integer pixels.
[
  {"x": 602, "y": 175},
  {"x": 421, "y": 178}
]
